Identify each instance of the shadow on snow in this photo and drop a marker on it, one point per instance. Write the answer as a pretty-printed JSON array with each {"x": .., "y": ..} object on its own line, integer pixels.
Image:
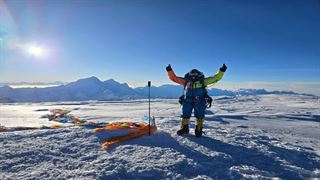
[{"x": 279, "y": 162}]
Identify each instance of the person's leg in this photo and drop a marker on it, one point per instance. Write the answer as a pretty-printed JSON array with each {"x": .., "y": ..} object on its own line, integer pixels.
[
  {"x": 185, "y": 121},
  {"x": 186, "y": 109},
  {"x": 199, "y": 112},
  {"x": 200, "y": 123},
  {"x": 186, "y": 114}
]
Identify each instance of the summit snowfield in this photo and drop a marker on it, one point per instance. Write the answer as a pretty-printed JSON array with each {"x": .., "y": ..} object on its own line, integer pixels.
[{"x": 247, "y": 137}]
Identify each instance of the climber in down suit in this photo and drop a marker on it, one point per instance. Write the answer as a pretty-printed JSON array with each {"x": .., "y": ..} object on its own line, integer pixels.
[{"x": 195, "y": 96}]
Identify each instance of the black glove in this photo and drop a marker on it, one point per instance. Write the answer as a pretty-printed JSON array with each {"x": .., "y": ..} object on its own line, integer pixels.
[
  {"x": 168, "y": 68},
  {"x": 223, "y": 68}
]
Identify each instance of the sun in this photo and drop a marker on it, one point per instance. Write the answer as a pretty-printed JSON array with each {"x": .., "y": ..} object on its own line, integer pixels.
[{"x": 35, "y": 51}]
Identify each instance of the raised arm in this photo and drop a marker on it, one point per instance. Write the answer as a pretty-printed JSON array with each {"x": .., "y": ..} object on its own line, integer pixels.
[
  {"x": 173, "y": 76},
  {"x": 217, "y": 77}
]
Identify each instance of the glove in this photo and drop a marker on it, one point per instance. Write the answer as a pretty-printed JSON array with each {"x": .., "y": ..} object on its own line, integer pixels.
[
  {"x": 168, "y": 68},
  {"x": 223, "y": 68}
]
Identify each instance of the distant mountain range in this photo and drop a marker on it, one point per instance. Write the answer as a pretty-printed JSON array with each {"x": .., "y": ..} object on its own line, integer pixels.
[
  {"x": 57, "y": 83},
  {"x": 94, "y": 89}
]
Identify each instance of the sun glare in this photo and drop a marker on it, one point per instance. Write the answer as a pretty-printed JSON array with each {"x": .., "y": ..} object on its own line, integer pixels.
[{"x": 35, "y": 51}]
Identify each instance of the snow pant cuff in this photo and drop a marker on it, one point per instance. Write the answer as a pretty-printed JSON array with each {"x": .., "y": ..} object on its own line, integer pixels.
[
  {"x": 185, "y": 121},
  {"x": 200, "y": 123}
]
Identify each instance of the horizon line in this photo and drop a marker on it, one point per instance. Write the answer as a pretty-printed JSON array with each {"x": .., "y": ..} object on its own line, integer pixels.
[{"x": 299, "y": 87}]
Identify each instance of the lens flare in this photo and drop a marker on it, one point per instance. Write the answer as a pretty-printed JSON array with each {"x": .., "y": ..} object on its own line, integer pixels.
[{"x": 35, "y": 51}]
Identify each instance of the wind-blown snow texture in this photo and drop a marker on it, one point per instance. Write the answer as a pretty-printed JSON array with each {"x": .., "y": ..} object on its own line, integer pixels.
[{"x": 250, "y": 137}]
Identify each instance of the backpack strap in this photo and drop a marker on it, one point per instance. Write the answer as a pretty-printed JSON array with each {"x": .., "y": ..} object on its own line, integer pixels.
[
  {"x": 207, "y": 98},
  {"x": 182, "y": 97}
]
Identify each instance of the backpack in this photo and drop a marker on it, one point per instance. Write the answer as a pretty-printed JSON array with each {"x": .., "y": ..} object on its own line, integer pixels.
[{"x": 191, "y": 77}]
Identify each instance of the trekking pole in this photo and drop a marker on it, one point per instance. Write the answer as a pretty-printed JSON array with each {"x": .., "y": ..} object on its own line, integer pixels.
[{"x": 149, "y": 85}]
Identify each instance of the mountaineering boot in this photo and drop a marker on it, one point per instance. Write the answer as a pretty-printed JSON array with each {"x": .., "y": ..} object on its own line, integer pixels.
[
  {"x": 184, "y": 130},
  {"x": 184, "y": 126},
  {"x": 198, "y": 131}
]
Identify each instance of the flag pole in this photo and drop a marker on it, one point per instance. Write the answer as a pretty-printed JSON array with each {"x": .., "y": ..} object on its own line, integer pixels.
[{"x": 149, "y": 85}]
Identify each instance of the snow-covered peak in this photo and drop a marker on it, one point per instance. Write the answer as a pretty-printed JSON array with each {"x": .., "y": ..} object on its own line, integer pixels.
[
  {"x": 85, "y": 82},
  {"x": 118, "y": 88},
  {"x": 91, "y": 79},
  {"x": 111, "y": 82},
  {"x": 5, "y": 88}
]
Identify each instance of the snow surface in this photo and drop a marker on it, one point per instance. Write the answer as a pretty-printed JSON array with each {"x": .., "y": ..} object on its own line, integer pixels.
[{"x": 248, "y": 137}]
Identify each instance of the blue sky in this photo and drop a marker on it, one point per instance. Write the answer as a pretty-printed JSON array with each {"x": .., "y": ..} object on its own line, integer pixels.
[{"x": 265, "y": 44}]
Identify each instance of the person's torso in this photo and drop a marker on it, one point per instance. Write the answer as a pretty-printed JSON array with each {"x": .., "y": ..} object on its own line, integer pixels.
[{"x": 195, "y": 90}]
